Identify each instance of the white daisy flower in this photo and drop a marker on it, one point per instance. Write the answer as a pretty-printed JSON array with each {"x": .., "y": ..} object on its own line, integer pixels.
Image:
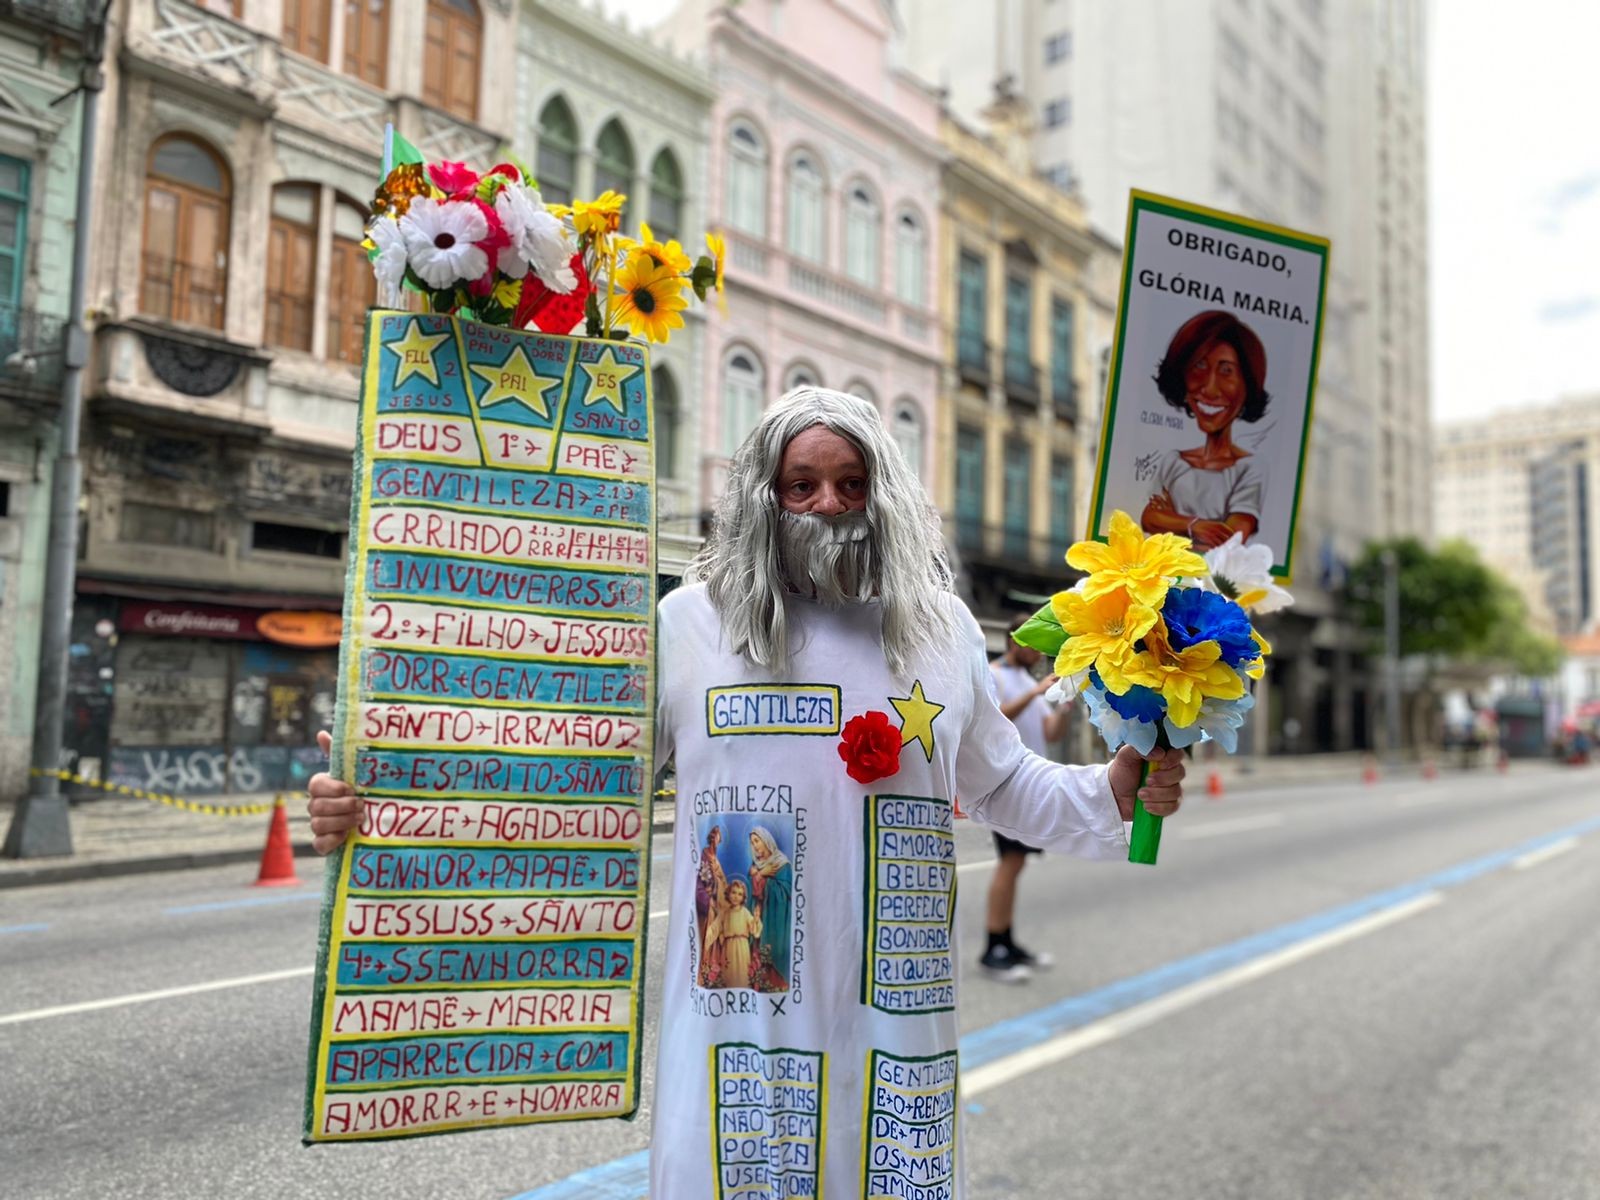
[
  {"x": 538, "y": 240},
  {"x": 1244, "y": 574},
  {"x": 389, "y": 264},
  {"x": 441, "y": 239}
]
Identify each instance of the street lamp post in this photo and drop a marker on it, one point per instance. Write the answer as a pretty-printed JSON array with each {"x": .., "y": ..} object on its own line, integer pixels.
[
  {"x": 39, "y": 826},
  {"x": 1391, "y": 651}
]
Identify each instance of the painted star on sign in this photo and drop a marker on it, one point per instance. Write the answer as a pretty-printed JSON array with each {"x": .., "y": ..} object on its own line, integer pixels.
[
  {"x": 917, "y": 714},
  {"x": 606, "y": 378},
  {"x": 515, "y": 380},
  {"x": 415, "y": 352}
]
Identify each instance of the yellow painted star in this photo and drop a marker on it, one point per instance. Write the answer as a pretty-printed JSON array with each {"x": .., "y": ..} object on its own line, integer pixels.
[
  {"x": 415, "y": 352},
  {"x": 606, "y": 378},
  {"x": 917, "y": 715},
  {"x": 516, "y": 380}
]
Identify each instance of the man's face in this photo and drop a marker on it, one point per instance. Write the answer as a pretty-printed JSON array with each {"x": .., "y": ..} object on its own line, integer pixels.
[
  {"x": 1025, "y": 657},
  {"x": 822, "y": 473}
]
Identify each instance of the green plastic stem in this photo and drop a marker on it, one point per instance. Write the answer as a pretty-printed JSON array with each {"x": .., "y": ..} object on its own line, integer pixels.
[{"x": 1146, "y": 838}]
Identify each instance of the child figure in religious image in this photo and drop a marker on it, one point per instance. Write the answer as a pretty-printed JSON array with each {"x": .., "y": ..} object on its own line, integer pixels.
[
  {"x": 732, "y": 933},
  {"x": 709, "y": 886}
]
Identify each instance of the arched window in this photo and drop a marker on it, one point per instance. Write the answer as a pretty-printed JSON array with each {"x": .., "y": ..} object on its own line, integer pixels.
[
  {"x": 452, "y": 47},
  {"x": 666, "y": 196},
  {"x": 861, "y": 222},
  {"x": 613, "y": 161},
  {"x": 906, "y": 430},
  {"x": 910, "y": 259},
  {"x": 292, "y": 265},
  {"x": 862, "y": 390},
  {"x": 747, "y": 179},
  {"x": 351, "y": 287},
  {"x": 801, "y": 374},
  {"x": 805, "y": 208},
  {"x": 366, "y": 40},
  {"x": 305, "y": 27},
  {"x": 184, "y": 274},
  {"x": 668, "y": 418},
  {"x": 557, "y": 160},
  {"x": 742, "y": 384}
]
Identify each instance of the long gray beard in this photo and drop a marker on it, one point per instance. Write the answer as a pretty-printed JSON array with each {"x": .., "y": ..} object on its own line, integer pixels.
[{"x": 829, "y": 558}]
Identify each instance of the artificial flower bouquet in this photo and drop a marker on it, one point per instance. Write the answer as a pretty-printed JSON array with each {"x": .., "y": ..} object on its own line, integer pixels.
[
  {"x": 487, "y": 247},
  {"x": 1159, "y": 642}
]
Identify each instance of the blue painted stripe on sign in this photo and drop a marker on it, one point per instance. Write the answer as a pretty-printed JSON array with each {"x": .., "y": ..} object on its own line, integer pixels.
[
  {"x": 628, "y": 1178},
  {"x": 246, "y": 902},
  {"x": 22, "y": 928}
]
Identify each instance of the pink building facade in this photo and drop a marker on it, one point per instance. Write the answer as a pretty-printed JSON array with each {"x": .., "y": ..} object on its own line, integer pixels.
[{"x": 825, "y": 168}]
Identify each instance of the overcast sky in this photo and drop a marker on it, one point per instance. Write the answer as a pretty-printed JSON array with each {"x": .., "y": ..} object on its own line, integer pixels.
[{"x": 1515, "y": 188}]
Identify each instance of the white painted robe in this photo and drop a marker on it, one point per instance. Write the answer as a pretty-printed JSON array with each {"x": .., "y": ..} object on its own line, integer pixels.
[{"x": 835, "y": 1070}]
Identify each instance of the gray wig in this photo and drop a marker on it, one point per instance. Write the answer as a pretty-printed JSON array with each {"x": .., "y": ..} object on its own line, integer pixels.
[{"x": 741, "y": 565}]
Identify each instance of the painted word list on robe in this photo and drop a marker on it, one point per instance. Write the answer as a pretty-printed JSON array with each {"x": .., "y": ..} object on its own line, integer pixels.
[{"x": 482, "y": 935}]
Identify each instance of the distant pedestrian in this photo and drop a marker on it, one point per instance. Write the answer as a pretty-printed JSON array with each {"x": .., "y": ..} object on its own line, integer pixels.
[{"x": 1038, "y": 723}]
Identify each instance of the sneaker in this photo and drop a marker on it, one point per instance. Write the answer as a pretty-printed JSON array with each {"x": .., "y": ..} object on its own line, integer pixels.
[
  {"x": 1042, "y": 961},
  {"x": 1001, "y": 965}
]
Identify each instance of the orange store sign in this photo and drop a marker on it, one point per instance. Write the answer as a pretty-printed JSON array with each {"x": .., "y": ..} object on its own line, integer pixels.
[{"x": 300, "y": 628}]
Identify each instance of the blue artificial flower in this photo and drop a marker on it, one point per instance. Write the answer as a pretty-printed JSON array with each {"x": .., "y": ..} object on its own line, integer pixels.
[
  {"x": 1116, "y": 729},
  {"x": 1138, "y": 703},
  {"x": 1195, "y": 615}
]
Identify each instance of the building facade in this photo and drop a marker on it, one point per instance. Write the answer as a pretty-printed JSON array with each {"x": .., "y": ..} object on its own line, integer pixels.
[
  {"x": 1014, "y": 269},
  {"x": 599, "y": 107},
  {"x": 239, "y": 148},
  {"x": 825, "y": 177},
  {"x": 1520, "y": 485},
  {"x": 40, "y": 56},
  {"x": 1295, "y": 112}
]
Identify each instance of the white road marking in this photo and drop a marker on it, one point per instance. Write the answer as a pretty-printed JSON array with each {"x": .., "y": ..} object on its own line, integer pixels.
[
  {"x": 1057, "y": 1049},
  {"x": 67, "y": 1010},
  {"x": 1230, "y": 825},
  {"x": 1544, "y": 854}
]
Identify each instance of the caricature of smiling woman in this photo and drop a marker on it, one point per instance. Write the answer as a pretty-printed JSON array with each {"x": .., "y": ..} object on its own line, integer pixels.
[{"x": 1215, "y": 369}]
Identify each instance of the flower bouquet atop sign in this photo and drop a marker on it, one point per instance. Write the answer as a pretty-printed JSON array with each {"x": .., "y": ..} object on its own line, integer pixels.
[
  {"x": 1160, "y": 643},
  {"x": 487, "y": 247}
]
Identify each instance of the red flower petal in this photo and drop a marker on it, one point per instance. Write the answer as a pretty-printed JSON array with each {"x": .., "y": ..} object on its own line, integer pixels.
[{"x": 452, "y": 177}]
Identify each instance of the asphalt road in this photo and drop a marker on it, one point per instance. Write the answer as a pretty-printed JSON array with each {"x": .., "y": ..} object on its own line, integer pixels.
[{"x": 1321, "y": 992}]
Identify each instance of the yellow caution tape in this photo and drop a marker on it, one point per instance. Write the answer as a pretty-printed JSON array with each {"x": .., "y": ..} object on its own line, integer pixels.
[{"x": 194, "y": 806}]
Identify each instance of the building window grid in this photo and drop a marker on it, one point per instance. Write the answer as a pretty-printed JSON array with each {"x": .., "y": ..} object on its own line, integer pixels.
[
  {"x": 1058, "y": 47},
  {"x": 1018, "y": 492},
  {"x": 969, "y": 485},
  {"x": 972, "y": 306},
  {"x": 806, "y": 207},
  {"x": 747, "y": 180},
  {"x": 1058, "y": 112},
  {"x": 14, "y": 174},
  {"x": 1019, "y": 327}
]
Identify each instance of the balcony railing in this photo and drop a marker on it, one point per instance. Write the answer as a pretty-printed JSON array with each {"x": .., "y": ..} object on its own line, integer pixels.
[
  {"x": 65, "y": 16},
  {"x": 836, "y": 293},
  {"x": 1022, "y": 379},
  {"x": 30, "y": 350},
  {"x": 1064, "y": 397},
  {"x": 972, "y": 357}
]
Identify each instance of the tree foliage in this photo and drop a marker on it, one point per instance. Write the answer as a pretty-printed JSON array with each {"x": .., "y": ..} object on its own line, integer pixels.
[{"x": 1452, "y": 606}]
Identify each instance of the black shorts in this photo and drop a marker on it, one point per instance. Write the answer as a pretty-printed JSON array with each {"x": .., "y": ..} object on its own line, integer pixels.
[{"x": 1004, "y": 845}]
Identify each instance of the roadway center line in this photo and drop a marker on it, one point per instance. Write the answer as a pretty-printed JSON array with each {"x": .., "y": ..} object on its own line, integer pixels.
[
  {"x": 1096, "y": 1033},
  {"x": 35, "y": 928},
  {"x": 65, "y": 1010},
  {"x": 1544, "y": 854},
  {"x": 1230, "y": 825}
]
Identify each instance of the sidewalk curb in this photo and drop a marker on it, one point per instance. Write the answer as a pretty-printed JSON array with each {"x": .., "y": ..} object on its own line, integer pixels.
[{"x": 72, "y": 872}]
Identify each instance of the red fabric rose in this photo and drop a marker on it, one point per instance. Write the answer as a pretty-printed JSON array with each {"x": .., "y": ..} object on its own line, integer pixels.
[
  {"x": 552, "y": 311},
  {"x": 870, "y": 747}
]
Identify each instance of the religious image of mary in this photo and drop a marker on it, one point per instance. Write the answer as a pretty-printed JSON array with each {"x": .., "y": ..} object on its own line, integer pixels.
[
  {"x": 772, "y": 897},
  {"x": 1215, "y": 369}
]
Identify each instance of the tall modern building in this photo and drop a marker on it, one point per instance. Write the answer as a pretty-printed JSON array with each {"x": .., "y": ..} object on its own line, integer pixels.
[
  {"x": 1523, "y": 486},
  {"x": 1296, "y": 112}
]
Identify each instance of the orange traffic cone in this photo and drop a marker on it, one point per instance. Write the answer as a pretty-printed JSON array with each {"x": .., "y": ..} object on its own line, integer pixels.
[
  {"x": 961, "y": 816},
  {"x": 277, "y": 859},
  {"x": 1214, "y": 784},
  {"x": 1502, "y": 762},
  {"x": 1369, "y": 769},
  {"x": 1429, "y": 769}
]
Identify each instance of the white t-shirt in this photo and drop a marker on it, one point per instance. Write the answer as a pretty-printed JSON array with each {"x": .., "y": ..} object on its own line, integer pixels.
[
  {"x": 783, "y": 998},
  {"x": 1013, "y": 682},
  {"x": 1213, "y": 495}
]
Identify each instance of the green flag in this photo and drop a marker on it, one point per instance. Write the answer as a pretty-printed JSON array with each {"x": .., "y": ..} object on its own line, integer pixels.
[{"x": 397, "y": 151}]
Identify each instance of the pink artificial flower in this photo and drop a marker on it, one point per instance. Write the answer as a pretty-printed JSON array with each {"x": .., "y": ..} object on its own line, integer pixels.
[{"x": 452, "y": 178}]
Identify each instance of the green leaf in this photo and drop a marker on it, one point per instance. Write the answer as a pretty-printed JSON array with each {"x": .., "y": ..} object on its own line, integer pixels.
[
  {"x": 591, "y": 315},
  {"x": 1042, "y": 632}
]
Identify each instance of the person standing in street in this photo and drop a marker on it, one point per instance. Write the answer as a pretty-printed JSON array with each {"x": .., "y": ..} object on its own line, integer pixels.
[{"x": 1038, "y": 723}]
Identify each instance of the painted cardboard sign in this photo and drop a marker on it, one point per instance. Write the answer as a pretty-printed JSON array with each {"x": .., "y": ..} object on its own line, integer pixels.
[
  {"x": 1214, "y": 367},
  {"x": 482, "y": 937}
]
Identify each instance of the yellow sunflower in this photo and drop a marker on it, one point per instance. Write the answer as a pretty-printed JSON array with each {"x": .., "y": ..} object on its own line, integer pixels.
[
  {"x": 670, "y": 254},
  {"x": 598, "y": 218},
  {"x": 718, "y": 245},
  {"x": 649, "y": 298}
]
